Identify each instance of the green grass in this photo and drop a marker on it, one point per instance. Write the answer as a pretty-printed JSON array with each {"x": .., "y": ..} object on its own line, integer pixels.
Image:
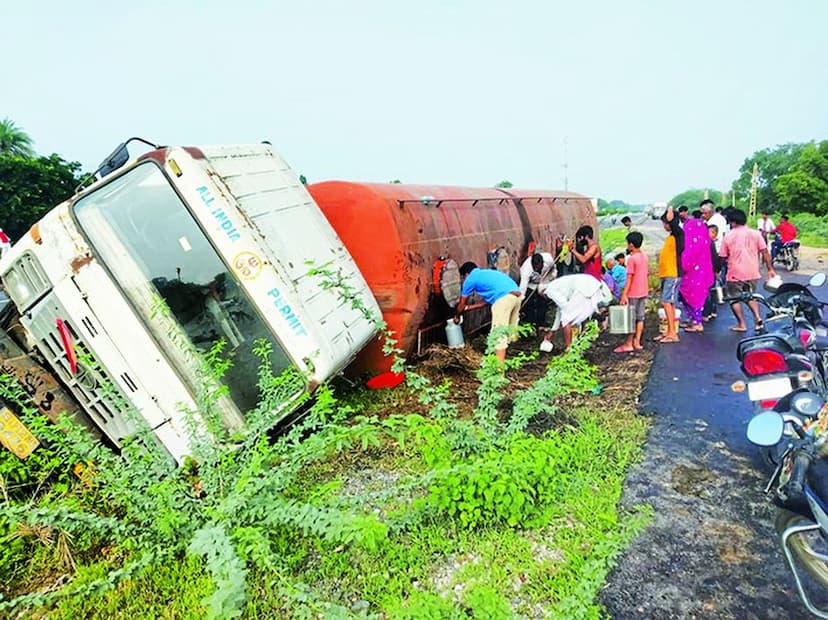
[
  {"x": 437, "y": 568},
  {"x": 812, "y": 229},
  {"x": 611, "y": 239}
]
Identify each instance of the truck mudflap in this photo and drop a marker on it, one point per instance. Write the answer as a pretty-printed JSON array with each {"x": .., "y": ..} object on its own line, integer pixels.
[{"x": 44, "y": 390}]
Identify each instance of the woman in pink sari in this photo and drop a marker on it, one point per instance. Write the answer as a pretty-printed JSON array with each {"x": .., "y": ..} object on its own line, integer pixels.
[{"x": 698, "y": 272}]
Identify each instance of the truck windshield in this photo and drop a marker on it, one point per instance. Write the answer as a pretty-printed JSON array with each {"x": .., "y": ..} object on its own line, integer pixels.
[{"x": 155, "y": 250}]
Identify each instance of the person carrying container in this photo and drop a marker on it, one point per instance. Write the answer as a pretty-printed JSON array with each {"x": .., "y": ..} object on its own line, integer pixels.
[{"x": 497, "y": 289}]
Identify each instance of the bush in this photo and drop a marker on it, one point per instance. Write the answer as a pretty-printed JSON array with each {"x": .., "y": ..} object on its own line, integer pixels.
[{"x": 812, "y": 229}]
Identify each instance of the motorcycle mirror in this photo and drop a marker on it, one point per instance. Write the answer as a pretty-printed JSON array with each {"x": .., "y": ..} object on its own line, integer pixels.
[
  {"x": 818, "y": 279},
  {"x": 765, "y": 429}
]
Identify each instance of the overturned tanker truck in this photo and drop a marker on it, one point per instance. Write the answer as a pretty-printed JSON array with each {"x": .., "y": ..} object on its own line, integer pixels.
[
  {"x": 409, "y": 241},
  {"x": 118, "y": 292}
]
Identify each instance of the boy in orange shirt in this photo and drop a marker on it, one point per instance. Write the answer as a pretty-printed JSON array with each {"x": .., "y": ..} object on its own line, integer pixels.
[{"x": 635, "y": 290}]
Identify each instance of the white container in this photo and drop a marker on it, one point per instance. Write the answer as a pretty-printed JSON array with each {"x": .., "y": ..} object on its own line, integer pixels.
[
  {"x": 662, "y": 319},
  {"x": 454, "y": 335}
]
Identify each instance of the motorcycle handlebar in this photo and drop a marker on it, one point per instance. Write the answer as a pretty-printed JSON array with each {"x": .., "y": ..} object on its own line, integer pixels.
[{"x": 796, "y": 483}]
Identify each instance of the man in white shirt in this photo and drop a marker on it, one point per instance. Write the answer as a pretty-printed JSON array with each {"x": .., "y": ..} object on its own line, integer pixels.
[
  {"x": 535, "y": 273},
  {"x": 712, "y": 217},
  {"x": 765, "y": 225},
  {"x": 578, "y": 297}
]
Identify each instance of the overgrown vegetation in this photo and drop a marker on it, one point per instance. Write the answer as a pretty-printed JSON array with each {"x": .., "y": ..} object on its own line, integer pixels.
[
  {"x": 612, "y": 239},
  {"x": 812, "y": 229},
  {"x": 352, "y": 513}
]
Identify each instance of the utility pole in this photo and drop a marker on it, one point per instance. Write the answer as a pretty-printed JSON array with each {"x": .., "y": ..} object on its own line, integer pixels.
[
  {"x": 566, "y": 164},
  {"x": 754, "y": 187}
]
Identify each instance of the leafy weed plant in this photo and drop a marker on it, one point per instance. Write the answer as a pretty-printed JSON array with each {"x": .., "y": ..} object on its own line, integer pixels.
[{"x": 253, "y": 526}]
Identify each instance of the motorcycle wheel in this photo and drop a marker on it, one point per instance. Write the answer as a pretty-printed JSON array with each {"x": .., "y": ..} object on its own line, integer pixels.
[
  {"x": 801, "y": 544},
  {"x": 789, "y": 262}
]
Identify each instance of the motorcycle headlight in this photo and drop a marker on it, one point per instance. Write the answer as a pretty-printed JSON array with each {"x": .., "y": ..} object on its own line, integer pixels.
[{"x": 807, "y": 403}]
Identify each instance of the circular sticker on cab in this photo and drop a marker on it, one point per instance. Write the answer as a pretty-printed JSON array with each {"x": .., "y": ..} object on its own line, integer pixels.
[{"x": 247, "y": 265}]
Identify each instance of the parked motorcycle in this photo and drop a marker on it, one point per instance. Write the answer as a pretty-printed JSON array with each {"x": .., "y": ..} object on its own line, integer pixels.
[
  {"x": 788, "y": 362},
  {"x": 799, "y": 486}
]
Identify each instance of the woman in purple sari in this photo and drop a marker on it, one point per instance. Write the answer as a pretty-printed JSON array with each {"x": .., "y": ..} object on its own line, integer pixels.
[{"x": 698, "y": 272}]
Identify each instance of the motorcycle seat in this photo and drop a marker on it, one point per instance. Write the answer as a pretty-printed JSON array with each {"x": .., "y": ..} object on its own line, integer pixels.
[
  {"x": 821, "y": 343},
  {"x": 794, "y": 243}
]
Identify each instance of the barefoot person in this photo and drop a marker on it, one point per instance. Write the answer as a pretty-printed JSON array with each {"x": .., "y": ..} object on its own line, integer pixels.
[
  {"x": 578, "y": 297},
  {"x": 741, "y": 248},
  {"x": 635, "y": 290}
]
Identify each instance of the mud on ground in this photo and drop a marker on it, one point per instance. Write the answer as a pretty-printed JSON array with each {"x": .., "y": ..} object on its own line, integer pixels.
[{"x": 621, "y": 376}]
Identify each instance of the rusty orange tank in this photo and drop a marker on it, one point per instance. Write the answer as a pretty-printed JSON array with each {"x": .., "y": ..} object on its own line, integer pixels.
[{"x": 408, "y": 241}]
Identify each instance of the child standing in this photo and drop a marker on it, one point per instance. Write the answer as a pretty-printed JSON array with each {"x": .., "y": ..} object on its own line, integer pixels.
[{"x": 635, "y": 290}]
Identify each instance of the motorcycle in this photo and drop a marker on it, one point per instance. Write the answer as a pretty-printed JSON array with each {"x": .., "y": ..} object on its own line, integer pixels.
[
  {"x": 799, "y": 487},
  {"x": 788, "y": 255},
  {"x": 789, "y": 364}
]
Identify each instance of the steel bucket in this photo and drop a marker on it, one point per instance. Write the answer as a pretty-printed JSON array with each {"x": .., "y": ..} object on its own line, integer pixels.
[{"x": 621, "y": 319}]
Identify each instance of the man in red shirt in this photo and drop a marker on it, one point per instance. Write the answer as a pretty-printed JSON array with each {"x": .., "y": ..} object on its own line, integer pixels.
[{"x": 786, "y": 232}]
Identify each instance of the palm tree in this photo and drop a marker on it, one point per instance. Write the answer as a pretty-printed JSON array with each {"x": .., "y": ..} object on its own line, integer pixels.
[{"x": 13, "y": 140}]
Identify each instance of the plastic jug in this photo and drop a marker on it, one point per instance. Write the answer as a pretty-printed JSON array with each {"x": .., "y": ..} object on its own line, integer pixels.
[{"x": 454, "y": 334}]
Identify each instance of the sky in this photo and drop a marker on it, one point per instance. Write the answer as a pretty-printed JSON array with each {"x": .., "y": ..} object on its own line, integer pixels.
[{"x": 620, "y": 99}]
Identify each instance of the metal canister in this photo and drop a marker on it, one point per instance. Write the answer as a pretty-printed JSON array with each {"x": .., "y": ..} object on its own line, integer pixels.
[
  {"x": 621, "y": 319},
  {"x": 454, "y": 335}
]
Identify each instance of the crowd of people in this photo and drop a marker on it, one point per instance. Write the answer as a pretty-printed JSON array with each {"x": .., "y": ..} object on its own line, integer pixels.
[{"x": 704, "y": 249}]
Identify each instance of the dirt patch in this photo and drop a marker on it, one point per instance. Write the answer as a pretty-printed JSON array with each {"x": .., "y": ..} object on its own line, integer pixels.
[
  {"x": 812, "y": 259},
  {"x": 733, "y": 542},
  {"x": 621, "y": 376},
  {"x": 691, "y": 480}
]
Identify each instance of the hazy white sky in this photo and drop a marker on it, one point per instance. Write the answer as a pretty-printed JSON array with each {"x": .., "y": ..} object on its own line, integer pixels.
[{"x": 652, "y": 97}]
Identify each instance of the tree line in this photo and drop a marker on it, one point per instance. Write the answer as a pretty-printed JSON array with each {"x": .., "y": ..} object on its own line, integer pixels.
[
  {"x": 30, "y": 184},
  {"x": 793, "y": 178}
]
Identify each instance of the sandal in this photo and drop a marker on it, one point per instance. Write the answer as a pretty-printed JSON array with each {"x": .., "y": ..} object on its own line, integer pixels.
[
  {"x": 623, "y": 349},
  {"x": 658, "y": 338},
  {"x": 736, "y": 328},
  {"x": 665, "y": 340}
]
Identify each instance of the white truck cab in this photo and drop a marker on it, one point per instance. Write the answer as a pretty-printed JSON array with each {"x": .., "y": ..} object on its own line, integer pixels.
[{"x": 122, "y": 288}]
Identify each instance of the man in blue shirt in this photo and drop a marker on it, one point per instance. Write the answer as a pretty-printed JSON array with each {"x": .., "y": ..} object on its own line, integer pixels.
[{"x": 497, "y": 289}]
